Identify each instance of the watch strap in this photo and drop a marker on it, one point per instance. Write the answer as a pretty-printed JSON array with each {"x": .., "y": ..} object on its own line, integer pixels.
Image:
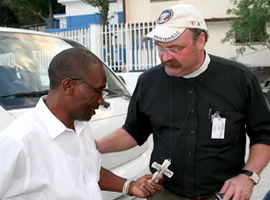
[
  {"x": 252, "y": 175},
  {"x": 247, "y": 172}
]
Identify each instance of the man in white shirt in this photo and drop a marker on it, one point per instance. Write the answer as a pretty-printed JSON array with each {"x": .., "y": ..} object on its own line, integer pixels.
[{"x": 49, "y": 153}]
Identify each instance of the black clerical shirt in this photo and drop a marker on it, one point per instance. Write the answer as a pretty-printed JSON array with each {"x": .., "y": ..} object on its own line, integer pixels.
[{"x": 178, "y": 112}]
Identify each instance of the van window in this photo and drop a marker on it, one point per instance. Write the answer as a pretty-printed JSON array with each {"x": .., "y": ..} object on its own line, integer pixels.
[{"x": 24, "y": 62}]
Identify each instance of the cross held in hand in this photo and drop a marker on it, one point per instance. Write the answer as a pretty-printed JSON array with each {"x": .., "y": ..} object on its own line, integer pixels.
[{"x": 161, "y": 169}]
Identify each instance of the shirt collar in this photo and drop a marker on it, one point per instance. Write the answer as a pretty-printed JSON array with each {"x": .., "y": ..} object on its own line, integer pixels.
[
  {"x": 201, "y": 69},
  {"x": 53, "y": 125},
  {"x": 80, "y": 125}
]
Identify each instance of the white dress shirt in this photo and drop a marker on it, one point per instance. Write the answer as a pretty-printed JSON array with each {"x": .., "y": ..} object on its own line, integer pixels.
[{"x": 40, "y": 158}]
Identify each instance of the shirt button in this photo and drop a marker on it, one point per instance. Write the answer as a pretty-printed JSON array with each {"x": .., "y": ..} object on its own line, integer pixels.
[
  {"x": 192, "y": 132},
  {"x": 192, "y": 110},
  {"x": 190, "y": 92},
  {"x": 190, "y": 153}
]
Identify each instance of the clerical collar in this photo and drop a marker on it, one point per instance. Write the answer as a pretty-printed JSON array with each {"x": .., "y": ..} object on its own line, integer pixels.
[{"x": 201, "y": 69}]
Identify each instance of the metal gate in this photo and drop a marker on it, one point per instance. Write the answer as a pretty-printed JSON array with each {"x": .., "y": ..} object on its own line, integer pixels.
[
  {"x": 123, "y": 48},
  {"x": 120, "y": 46}
]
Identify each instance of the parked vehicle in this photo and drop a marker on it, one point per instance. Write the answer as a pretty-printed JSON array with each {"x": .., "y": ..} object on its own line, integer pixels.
[{"x": 24, "y": 60}]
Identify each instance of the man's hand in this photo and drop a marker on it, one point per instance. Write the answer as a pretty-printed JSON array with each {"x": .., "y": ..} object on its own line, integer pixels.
[
  {"x": 237, "y": 188},
  {"x": 144, "y": 187}
]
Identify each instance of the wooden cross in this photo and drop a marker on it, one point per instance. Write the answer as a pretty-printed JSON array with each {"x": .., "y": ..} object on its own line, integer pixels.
[{"x": 161, "y": 169}]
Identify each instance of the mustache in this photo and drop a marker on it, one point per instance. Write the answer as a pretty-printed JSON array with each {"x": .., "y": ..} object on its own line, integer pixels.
[
  {"x": 167, "y": 63},
  {"x": 170, "y": 63}
]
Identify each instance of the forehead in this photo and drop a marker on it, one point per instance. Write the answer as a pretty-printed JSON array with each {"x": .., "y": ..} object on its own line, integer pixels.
[
  {"x": 96, "y": 74},
  {"x": 95, "y": 69},
  {"x": 182, "y": 40}
]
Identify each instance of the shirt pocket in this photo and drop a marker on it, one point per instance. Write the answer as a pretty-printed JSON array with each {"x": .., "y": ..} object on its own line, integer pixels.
[{"x": 234, "y": 129}]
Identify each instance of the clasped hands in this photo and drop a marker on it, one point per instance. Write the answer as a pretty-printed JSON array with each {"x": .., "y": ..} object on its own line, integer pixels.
[{"x": 144, "y": 186}]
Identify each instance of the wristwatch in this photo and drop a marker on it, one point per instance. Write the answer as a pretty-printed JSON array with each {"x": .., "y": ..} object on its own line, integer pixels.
[{"x": 252, "y": 175}]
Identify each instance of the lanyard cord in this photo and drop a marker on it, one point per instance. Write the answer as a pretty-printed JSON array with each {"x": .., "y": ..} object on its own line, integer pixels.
[
  {"x": 172, "y": 145},
  {"x": 171, "y": 113}
]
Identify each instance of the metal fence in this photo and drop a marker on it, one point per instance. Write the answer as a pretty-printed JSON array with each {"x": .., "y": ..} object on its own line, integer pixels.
[
  {"x": 81, "y": 35},
  {"x": 121, "y": 46}
]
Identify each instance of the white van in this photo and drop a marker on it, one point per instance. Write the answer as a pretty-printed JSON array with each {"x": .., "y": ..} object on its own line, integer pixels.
[{"x": 24, "y": 60}]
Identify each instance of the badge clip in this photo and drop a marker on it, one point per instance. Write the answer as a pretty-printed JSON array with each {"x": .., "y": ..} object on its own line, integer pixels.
[{"x": 215, "y": 115}]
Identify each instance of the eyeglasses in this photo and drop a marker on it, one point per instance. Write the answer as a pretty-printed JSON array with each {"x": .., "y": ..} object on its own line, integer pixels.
[
  {"x": 169, "y": 50},
  {"x": 102, "y": 93}
]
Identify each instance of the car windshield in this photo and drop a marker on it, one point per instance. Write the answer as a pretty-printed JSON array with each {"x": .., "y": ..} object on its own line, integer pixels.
[{"x": 24, "y": 61}]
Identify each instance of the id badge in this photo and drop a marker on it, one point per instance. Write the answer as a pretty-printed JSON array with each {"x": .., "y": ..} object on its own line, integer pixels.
[{"x": 218, "y": 127}]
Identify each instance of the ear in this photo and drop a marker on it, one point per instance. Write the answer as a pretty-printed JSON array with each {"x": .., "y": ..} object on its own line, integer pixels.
[
  {"x": 201, "y": 41},
  {"x": 68, "y": 86}
]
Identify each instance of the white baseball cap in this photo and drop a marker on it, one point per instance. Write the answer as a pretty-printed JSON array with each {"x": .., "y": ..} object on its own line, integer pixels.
[{"x": 173, "y": 21}]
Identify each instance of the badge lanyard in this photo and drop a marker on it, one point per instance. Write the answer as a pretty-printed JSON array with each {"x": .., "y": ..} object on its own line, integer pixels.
[
  {"x": 172, "y": 145},
  {"x": 163, "y": 168}
]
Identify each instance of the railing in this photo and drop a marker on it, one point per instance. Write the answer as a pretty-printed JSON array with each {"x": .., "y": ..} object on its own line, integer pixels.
[
  {"x": 81, "y": 35},
  {"x": 120, "y": 46},
  {"x": 123, "y": 48}
]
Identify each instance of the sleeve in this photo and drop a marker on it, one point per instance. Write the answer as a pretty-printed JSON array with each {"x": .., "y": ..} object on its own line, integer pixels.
[
  {"x": 258, "y": 120},
  {"x": 12, "y": 168},
  {"x": 137, "y": 123}
]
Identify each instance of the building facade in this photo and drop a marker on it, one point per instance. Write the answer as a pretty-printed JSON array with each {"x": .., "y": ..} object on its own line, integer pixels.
[
  {"x": 80, "y": 15},
  {"x": 218, "y": 23}
]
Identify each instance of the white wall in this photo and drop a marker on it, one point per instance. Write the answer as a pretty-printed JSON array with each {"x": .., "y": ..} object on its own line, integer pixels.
[
  {"x": 142, "y": 10},
  {"x": 254, "y": 58},
  {"x": 77, "y": 7}
]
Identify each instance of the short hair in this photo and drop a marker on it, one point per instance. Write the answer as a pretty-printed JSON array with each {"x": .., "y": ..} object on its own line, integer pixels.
[
  {"x": 197, "y": 32},
  {"x": 71, "y": 63}
]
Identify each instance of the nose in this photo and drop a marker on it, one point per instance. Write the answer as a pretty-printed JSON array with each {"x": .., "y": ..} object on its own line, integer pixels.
[
  {"x": 101, "y": 101},
  {"x": 166, "y": 56},
  {"x": 106, "y": 104}
]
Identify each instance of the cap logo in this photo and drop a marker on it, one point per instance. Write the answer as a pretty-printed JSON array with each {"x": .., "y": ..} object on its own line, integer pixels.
[
  {"x": 195, "y": 23},
  {"x": 165, "y": 16}
]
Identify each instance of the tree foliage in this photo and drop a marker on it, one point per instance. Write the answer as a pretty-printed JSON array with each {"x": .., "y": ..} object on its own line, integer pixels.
[
  {"x": 29, "y": 11},
  {"x": 252, "y": 19},
  {"x": 103, "y": 8},
  {"x": 8, "y": 17}
]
